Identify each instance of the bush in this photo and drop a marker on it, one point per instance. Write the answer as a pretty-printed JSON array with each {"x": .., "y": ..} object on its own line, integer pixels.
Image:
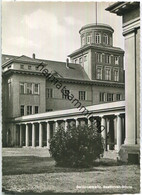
[{"x": 77, "y": 147}]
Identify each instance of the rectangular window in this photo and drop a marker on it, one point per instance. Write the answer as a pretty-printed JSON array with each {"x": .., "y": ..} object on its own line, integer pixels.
[
  {"x": 88, "y": 39},
  {"x": 76, "y": 61},
  {"x": 29, "y": 67},
  {"x": 36, "y": 109},
  {"x": 36, "y": 88},
  {"x": 108, "y": 74},
  {"x": 29, "y": 110},
  {"x": 108, "y": 59},
  {"x": 97, "y": 38},
  {"x": 99, "y": 73},
  {"x": 9, "y": 67},
  {"x": 83, "y": 41},
  {"x": 49, "y": 110},
  {"x": 22, "y": 88},
  {"x": 118, "y": 97},
  {"x": 29, "y": 88},
  {"x": 65, "y": 94},
  {"x": 22, "y": 110},
  {"x": 21, "y": 66},
  {"x": 49, "y": 93},
  {"x": 116, "y": 75},
  {"x": 116, "y": 60},
  {"x": 110, "y": 97},
  {"x": 82, "y": 95},
  {"x": 99, "y": 57}
]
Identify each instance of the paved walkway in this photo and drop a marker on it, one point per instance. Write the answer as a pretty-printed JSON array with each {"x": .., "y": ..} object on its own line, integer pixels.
[{"x": 41, "y": 152}]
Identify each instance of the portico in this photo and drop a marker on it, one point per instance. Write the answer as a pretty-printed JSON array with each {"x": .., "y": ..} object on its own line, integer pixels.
[{"x": 37, "y": 130}]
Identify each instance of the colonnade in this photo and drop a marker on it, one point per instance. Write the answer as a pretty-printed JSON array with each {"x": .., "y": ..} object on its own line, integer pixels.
[{"x": 38, "y": 133}]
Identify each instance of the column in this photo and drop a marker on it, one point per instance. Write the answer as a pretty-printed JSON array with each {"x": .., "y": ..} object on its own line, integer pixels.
[
  {"x": 33, "y": 135},
  {"x": 20, "y": 135},
  {"x": 76, "y": 122},
  {"x": 66, "y": 125},
  {"x": 40, "y": 134},
  {"x": 48, "y": 134},
  {"x": 119, "y": 132},
  {"x": 27, "y": 135},
  {"x": 103, "y": 127},
  {"x": 89, "y": 122}
]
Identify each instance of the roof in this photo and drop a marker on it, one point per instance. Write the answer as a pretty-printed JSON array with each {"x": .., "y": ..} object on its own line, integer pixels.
[
  {"x": 98, "y": 25},
  {"x": 59, "y": 69},
  {"x": 121, "y": 8},
  {"x": 100, "y": 47}
]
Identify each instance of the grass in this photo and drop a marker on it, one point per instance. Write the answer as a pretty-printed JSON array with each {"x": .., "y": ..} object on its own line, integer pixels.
[{"x": 36, "y": 174}]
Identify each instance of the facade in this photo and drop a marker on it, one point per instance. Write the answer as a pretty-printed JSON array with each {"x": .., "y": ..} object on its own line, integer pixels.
[
  {"x": 28, "y": 94},
  {"x": 130, "y": 12}
]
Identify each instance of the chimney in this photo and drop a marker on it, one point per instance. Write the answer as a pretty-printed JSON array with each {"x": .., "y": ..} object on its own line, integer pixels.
[
  {"x": 33, "y": 55},
  {"x": 67, "y": 63}
]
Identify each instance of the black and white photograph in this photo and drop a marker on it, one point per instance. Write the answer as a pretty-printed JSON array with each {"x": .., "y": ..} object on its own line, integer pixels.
[{"x": 70, "y": 85}]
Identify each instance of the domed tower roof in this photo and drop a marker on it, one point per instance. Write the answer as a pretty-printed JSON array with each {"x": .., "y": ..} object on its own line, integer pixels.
[
  {"x": 97, "y": 27},
  {"x": 98, "y": 34}
]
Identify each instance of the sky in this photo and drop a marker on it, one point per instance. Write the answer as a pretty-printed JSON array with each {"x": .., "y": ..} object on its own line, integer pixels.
[{"x": 51, "y": 29}]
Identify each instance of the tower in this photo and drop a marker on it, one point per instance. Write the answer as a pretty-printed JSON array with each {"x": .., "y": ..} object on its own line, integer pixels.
[{"x": 98, "y": 57}]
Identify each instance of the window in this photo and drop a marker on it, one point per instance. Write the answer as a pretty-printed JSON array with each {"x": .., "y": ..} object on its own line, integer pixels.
[
  {"x": 109, "y": 97},
  {"x": 107, "y": 58},
  {"x": 82, "y": 95},
  {"x": 49, "y": 93},
  {"x": 22, "y": 110},
  {"x": 29, "y": 67},
  {"x": 83, "y": 41},
  {"x": 80, "y": 60},
  {"x": 99, "y": 57},
  {"x": 97, "y": 38},
  {"x": 9, "y": 89},
  {"x": 65, "y": 94},
  {"x": 105, "y": 39},
  {"x": 76, "y": 61},
  {"x": 102, "y": 97},
  {"x": 22, "y": 66},
  {"x": 118, "y": 97},
  {"x": 116, "y": 60},
  {"x": 29, "y": 110},
  {"x": 9, "y": 66},
  {"x": 49, "y": 110},
  {"x": 36, "y": 88},
  {"x": 22, "y": 88},
  {"x": 85, "y": 58},
  {"x": 108, "y": 74},
  {"x": 36, "y": 109},
  {"x": 99, "y": 73},
  {"x": 29, "y": 88},
  {"x": 88, "y": 39},
  {"x": 116, "y": 75}
]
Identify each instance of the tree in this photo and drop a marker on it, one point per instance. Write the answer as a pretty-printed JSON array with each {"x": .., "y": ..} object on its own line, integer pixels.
[{"x": 76, "y": 147}]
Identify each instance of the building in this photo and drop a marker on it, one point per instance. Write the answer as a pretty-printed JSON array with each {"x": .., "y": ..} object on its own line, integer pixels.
[
  {"x": 130, "y": 12},
  {"x": 96, "y": 78}
]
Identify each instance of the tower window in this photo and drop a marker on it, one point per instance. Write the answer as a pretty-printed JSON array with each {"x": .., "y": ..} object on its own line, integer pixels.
[
  {"x": 29, "y": 88},
  {"x": 36, "y": 109},
  {"x": 102, "y": 97},
  {"x": 99, "y": 73},
  {"x": 106, "y": 39},
  {"x": 99, "y": 57},
  {"x": 88, "y": 39},
  {"x": 22, "y": 88},
  {"x": 97, "y": 38},
  {"x": 118, "y": 97},
  {"x": 116, "y": 60},
  {"x": 80, "y": 60},
  {"x": 108, "y": 74},
  {"x": 107, "y": 58},
  {"x": 83, "y": 41},
  {"x": 85, "y": 58},
  {"x": 65, "y": 94},
  {"x": 36, "y": 88},
  {"x": 116, "y": 75}
]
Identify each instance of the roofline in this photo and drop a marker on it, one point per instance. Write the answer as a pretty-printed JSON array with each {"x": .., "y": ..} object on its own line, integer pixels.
[
  {"x": 97, "y": 47},
  {"x": 89, "y": 82}
]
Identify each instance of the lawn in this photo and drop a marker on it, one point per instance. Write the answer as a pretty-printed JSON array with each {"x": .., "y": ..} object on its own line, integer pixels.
[{"x": 37, "y": 174}]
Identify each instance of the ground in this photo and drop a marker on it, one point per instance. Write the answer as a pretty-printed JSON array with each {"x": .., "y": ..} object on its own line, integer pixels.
[{"x": 39, "y": 174}]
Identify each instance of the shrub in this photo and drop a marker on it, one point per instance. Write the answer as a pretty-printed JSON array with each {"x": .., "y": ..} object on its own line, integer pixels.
[{"x": 77, "y": 147}]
